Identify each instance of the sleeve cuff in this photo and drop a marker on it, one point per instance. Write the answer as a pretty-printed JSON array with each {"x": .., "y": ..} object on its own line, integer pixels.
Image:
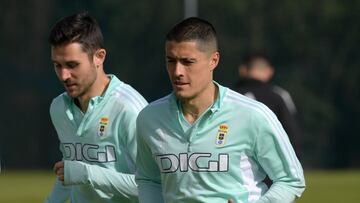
[{"x": 75, "y": 173}]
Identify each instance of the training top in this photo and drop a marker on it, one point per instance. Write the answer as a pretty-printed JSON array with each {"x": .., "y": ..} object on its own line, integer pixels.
[
  {"x": 98, "y": 147},
  {"x": 225, "y": 154}
]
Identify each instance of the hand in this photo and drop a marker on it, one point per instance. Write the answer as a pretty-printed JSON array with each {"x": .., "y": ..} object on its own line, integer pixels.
[
  {"x": 59, "y": 170},
  {"x": 231, "y": 201}
]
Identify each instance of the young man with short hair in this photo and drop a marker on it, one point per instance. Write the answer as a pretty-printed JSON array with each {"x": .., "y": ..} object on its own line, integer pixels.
[
  {"x": 95, "y": 118},
  {"x": 205, "y": 142}
]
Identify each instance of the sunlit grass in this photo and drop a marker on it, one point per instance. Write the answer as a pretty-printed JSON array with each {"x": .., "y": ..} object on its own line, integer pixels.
[
  {"x": 25, "y": 186},
  {"x": 322, "y": 186},
  {"x": 331, "y": 186}
]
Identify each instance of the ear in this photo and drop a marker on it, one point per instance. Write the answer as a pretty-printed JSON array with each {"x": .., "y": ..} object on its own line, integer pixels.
[
  {"x": 99, "y": 57},
  {"x": 214, "y": 60}
]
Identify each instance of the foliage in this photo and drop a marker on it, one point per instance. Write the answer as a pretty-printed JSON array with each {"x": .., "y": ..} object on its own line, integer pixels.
[{"x": 313, "y": 45}]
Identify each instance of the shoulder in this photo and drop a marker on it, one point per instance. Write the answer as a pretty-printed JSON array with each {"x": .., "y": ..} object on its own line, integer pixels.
[
  {"x": 126, "y": 96},
  {"x": 259, "y": 115},
  {"x": 239, "y": 100},
  {"x": 58, "y": 103},
  {"x": 157, "y": 107},
  {"x": 244, "y": 105}
]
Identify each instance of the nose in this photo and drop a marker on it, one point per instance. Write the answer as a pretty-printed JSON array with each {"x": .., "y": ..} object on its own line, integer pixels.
[
  {"x": 178, "y": 69},
  {"x": 63, "y": 74}
]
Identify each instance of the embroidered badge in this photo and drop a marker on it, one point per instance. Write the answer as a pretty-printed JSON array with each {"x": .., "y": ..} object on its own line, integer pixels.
[
  {"x": 104, "y": 121},
  {"x": 221, "y": 135}
]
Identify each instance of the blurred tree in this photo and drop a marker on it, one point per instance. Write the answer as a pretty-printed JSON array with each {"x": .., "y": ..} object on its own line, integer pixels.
[{"x": 313, "y": 45}]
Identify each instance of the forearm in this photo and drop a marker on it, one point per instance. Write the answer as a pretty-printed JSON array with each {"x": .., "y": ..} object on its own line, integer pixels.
[
  {"x": 106, "y": 180},
  {"x": 279, "y": 192}
]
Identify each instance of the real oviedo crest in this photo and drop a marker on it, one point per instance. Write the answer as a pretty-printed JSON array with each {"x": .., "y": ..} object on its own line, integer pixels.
[
  {"x": 221, "y": 135},
  {"x": 103, "y": 123}
]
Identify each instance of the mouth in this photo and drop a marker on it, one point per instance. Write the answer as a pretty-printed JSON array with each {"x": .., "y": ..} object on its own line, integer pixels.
[
  {"x": 180, "y": 83},
  {"x": 70, "y": 86},
  {"x": 180, "y": 86}
]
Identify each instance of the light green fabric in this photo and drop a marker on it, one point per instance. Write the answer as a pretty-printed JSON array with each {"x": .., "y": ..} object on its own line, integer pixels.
[
  {"x": 98, "y": 147},
  {"x": 225, "y": 154}
]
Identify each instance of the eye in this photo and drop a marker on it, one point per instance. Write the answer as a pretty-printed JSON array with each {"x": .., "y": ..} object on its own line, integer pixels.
[
  {"x": 72, "y": 64},
  {"x": 168, "y": 60},
  {"x": 187, "y": 62},
  {"x": 57, "y": 66}
]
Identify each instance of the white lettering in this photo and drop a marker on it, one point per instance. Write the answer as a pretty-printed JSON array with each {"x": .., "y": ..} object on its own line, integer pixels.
[
  {"x": 200, "y": 162},
  {"x": 89, "y": 152}
]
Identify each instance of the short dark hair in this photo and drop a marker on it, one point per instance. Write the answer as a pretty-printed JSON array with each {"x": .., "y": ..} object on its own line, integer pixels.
[
  {"x": 194, "y": 29},
  {"x": 81, "y": 28},
  {"x": 250, "y": 58}
]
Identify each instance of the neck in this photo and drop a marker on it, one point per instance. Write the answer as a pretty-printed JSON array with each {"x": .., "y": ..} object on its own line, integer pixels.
[
  {"x": 97, "y": 89},
  {"x": 194, "y": 108}
]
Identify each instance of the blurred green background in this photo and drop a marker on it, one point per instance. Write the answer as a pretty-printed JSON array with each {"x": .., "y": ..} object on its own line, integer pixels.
[{"x": 313, "y": 46}]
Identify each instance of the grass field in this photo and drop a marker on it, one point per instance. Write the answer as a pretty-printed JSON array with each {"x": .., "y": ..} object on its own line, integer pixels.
[
  {"x": 331, "y": 187},
  {"x": 322, "y": 186}
]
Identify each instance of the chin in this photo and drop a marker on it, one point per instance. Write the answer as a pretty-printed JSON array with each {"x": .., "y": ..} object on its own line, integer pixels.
[
  {"x": 182, "y": 95},
  {"x": 178, "y": 94},
  {"x": 72, "y": 94}
]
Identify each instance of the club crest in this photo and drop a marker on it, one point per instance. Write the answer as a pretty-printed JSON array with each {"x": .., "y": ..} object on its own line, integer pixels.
[
  {"x": 221, "y": 135},
  {"x": 104, "y": 121}
]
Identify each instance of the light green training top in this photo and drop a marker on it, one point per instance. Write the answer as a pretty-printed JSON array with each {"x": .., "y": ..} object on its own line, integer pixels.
[
  {"x": 225, "y": 154},
  {"x": 98, "y": 147}
]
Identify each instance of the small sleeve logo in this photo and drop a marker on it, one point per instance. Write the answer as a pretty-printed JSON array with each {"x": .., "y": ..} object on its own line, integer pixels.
[{"x": 221, "y": 135}]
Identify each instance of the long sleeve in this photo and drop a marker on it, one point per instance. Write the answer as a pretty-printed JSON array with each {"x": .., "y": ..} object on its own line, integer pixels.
[
  {"x": 128, "y": 142},
  {"x": 106, "y": 180},
  {"x": 59, "y": 193},
  {"x": 277, "y": 157},
  {"x": 147, "y": 175}
]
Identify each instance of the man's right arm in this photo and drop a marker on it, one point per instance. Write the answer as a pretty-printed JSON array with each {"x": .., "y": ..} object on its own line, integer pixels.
[{"x": 148, "y": 174}]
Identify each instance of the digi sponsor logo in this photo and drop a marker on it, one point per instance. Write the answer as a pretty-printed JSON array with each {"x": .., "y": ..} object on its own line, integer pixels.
[
  {"x": 103, "y": 123},
  {"x": 221, "y": 135},
  {"x": 89, "y": 152},
  {"x": 199, "y": 162}
]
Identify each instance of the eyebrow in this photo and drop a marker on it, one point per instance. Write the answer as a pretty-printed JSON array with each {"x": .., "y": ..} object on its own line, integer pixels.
[
  {"x": 184, "y": 58},
  {"x": 70, "y": 61}
]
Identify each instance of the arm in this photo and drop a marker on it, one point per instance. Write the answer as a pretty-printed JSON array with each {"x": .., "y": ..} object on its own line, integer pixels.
[
  {"x": 277, "y": 157},
  {"x": 106, "y": 180},
  {"x": 147, "y": 174}
]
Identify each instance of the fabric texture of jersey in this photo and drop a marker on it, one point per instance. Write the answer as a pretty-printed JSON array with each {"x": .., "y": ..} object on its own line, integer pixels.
[
  {"x": 225, "y": 154},
  {"x": 99, "y": 146}
]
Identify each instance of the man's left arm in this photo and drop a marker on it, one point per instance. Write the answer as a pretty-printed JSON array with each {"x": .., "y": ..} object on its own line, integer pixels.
[{"x": 277, "y": 157}]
